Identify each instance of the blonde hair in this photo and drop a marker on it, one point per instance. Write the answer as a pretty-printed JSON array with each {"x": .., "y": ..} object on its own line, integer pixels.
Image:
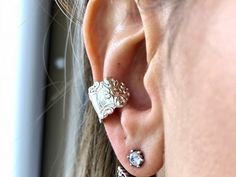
[{"x": 88, "y": 153}]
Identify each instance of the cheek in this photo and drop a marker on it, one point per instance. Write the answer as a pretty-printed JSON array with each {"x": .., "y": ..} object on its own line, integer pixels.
[
  {"x": 199, "y": 119},
  {"x": 199, "y": 102}
]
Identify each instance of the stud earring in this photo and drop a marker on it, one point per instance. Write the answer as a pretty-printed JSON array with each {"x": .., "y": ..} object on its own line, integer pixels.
[
  {"x": 108, "y": 95},
  {"x": 121, "y": 172},
  {"x": 136, "y": 158}
]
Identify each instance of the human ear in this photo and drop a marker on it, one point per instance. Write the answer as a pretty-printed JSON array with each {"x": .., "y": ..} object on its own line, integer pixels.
[{"x": 120, "y": 43}]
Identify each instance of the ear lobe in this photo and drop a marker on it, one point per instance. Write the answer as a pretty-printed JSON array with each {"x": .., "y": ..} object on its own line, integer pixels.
[{"x": 117, "y": 47}]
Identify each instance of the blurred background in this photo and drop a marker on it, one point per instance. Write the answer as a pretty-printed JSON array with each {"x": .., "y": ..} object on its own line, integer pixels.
[{"x": 33, "y": 97}]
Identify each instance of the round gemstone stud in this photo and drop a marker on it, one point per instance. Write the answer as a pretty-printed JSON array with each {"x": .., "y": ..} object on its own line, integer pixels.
[{"x": 136, "y": 158}]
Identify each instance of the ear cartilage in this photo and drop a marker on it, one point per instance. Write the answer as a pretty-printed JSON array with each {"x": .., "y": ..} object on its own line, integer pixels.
[
  {"x": 108, "y": 95},
  {"x": 121, "y": 172},
  {"x": 136, "y": 158}
]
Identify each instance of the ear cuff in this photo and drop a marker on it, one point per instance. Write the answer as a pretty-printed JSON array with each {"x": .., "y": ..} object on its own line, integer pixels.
[{"x": 108, "y": 95}]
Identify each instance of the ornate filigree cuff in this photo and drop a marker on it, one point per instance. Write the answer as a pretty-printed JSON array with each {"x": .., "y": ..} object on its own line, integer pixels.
[{"x": 108, "y": 95}]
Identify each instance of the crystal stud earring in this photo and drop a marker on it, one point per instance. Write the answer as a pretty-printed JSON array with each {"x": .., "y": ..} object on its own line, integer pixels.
[{"x": 136, "y": 158}]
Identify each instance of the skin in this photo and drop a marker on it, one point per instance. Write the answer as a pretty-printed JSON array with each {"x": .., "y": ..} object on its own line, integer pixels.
[{"x": 182, "y": 80}]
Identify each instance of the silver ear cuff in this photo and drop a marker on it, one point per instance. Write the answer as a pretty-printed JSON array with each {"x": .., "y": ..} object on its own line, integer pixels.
[
  {"x": 136, "y": 158},
  {"x": 108, "y": 95},
  {"x": 121, "y": 172}
]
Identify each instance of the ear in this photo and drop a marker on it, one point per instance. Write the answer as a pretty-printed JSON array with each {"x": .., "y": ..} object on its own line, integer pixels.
[{"x": 121, "y": 40}]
